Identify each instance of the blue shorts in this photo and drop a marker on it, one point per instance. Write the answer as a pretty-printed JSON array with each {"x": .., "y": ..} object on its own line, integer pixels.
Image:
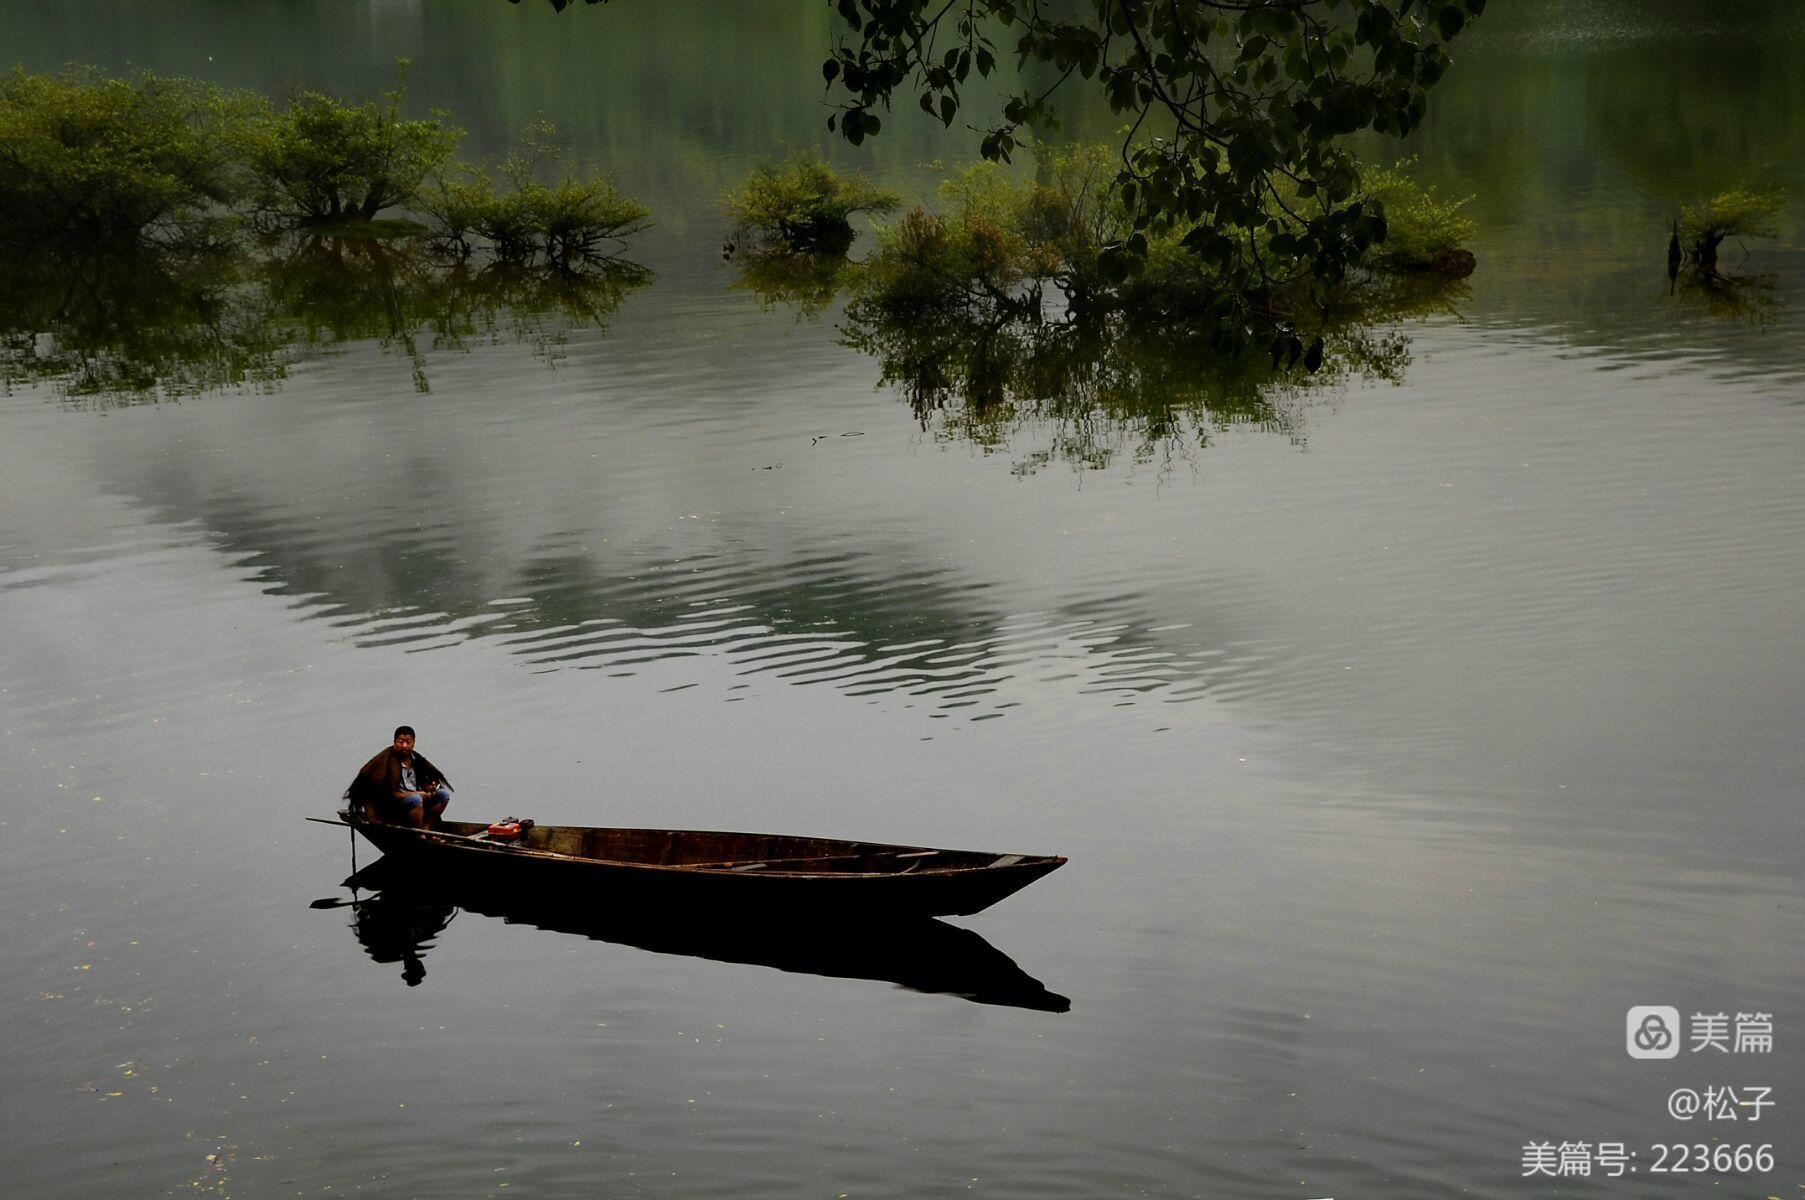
[{"x": 394, "y": 808}]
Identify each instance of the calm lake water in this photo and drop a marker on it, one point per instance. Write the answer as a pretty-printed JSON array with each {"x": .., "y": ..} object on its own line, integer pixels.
[{"x": 1403, "y": 732}]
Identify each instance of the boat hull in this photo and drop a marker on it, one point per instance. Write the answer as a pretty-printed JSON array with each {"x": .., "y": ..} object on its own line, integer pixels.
[{"x": 803, "y": 877}]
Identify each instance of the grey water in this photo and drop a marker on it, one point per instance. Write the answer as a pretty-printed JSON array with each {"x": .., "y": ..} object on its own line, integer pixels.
[{"x": 1402, "y": 734}]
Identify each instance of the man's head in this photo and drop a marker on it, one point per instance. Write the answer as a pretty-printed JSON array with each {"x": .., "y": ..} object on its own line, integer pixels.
[{"x": 404, "y": 739}]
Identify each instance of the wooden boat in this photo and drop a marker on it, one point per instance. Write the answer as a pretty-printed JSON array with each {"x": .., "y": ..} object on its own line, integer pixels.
[{"x": 819, "y": 877}]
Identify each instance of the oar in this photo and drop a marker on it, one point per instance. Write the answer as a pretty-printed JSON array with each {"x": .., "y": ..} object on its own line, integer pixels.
[{"x": 353, "y": 829}]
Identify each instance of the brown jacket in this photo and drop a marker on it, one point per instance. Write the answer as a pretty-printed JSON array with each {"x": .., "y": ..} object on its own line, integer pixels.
[{"x": 380, "y": 778}]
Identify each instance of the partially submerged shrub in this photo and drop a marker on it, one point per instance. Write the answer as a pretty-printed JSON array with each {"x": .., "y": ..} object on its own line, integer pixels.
[
  {"x": 1738, "y": 212},
  {"x": 997, "y": 243},
  {"x": 1422, "y": 232},
  {"x": 86, "y": 158},
  {"x": 803, "y": 203},
  {"x": 519, "y": 217},
  {"x": 1699, "y": 231},
  {"x": 973, "y": 253},
  {"x": 323, "y": 161}
]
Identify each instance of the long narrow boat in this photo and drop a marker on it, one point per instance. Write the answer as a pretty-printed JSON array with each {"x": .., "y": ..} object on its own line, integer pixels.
[{"x": 728, "y": 872}]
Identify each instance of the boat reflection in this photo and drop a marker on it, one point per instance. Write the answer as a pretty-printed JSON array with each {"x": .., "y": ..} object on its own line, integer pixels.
[
  {"x": 407, "y": 913},
  {"x": 395, "y": 927}
]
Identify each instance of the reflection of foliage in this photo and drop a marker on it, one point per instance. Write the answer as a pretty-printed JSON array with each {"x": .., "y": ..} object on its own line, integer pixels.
[
  {"x": 1091, "y": 388},
  {"x": 135, "y": 327},
  {"x": 85, "y": 158},
  {"x": 322, "y": 160},
  {"x": 509, "y": 301},
  {"x": 802, "y": 203},
  {"x": 805, "y": 281},
  {"x": 149, "y": 326},
  {"x": 1736, "y": 299},
  {"x": 520, "y": 217},
  {"x": 1099, "y": 383}
]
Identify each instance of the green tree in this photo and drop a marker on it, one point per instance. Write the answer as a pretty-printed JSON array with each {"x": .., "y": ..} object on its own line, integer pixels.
[
  {"x": 1240, "y": 113},
  {"x": 1739, "y": 212},
  {"x": 571, "y": 220},
  {"x": 802, "y": 203},
  {"x": 323, "y": 161},
  {"x": 87, "y": 159}
]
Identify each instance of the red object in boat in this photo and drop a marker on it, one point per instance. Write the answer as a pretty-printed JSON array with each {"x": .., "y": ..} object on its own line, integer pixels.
[{"x": 506, "y": 831}]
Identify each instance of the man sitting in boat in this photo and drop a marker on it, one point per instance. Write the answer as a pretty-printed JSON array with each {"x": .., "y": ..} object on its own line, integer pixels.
[{"x": 399, "y": 786}]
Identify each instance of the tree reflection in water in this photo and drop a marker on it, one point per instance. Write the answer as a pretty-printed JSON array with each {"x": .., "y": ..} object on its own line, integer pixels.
[
  {"x": 806, "y": 283},
  {"x": 1081, "y": 390},
  {"x": 1751, "y": 298},
  {"x": 124, "y": 329}
]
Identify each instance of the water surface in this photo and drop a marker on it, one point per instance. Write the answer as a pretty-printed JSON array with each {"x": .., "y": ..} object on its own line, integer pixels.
[{"x": 1402, "y": 732}]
